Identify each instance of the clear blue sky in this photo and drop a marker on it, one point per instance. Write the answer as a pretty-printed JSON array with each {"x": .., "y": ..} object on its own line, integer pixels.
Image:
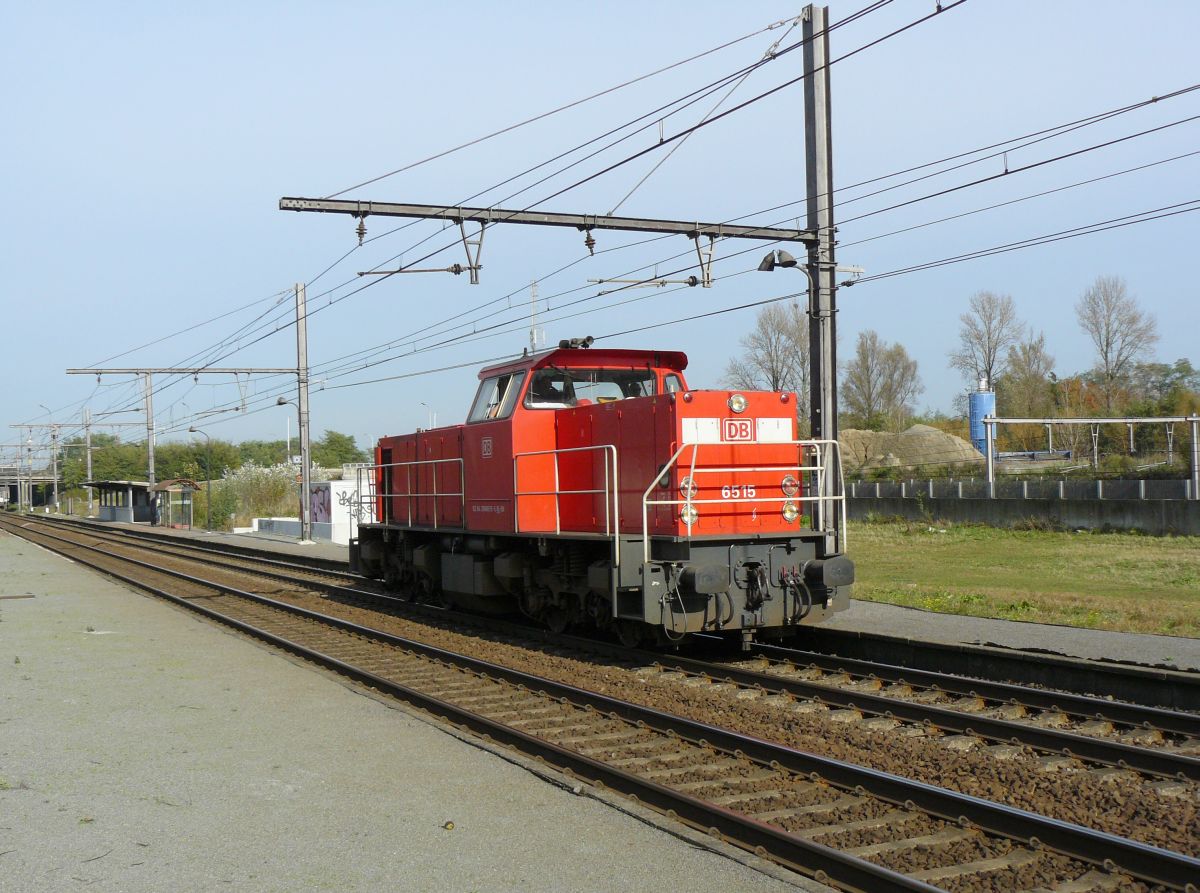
[{"x": 146, "y": 147}]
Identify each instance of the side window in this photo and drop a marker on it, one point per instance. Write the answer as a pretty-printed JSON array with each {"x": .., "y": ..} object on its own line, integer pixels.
[
  {"x": 672, "y": 384},
  {"x": 496, "y": 398},
  {"x": 552, "y": 388}
]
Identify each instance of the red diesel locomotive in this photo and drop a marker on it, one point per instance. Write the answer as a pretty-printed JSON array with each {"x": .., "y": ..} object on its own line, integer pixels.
[{"x": 591, "y": 486}]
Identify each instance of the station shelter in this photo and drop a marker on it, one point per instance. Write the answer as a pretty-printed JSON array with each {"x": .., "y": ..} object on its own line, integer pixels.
[
  {"x": 127, "y": 501},
  {"x": 175, "y": 502}
]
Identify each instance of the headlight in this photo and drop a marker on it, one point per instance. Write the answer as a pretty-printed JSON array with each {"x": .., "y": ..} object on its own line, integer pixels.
[
  {"x": 790, "y": 512},
  {"x": 688, "y": 488},
  {"x": 688, "y": 515},
  {"x": 790, "y": 486},
  {"x": 737, "y": 403}
]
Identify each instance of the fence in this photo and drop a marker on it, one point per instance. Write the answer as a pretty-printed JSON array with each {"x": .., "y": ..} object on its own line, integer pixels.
[
  {"x": 977, "y": 488},
  {"x": 1151, "y": 506}
]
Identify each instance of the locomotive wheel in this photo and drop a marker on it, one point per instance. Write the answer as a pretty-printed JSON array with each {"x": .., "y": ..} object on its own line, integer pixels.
[
  {"x": 630, "y": 633},
  {"x": 557, "y": 620}
]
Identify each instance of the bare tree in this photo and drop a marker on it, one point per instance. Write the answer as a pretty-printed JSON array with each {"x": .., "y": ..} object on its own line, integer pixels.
[
  {"x": 987, "y": 331},
  {"x": 880, "y": 382},
  {"x": 774, "y": 356},
  {"x": 1121, "y": 333},
  {"x": 1027, "y": 388}
]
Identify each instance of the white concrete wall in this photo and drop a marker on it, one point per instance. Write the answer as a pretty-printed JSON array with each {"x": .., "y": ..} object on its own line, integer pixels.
[{"x": 333, "y": 506}]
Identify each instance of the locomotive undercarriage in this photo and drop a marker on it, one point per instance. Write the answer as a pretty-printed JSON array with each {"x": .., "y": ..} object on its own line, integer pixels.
[{"x": 762, "y": 588}]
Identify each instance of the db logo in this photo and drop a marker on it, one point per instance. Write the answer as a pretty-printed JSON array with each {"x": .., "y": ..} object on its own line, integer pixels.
[
  {"x": 737, "y": 429},
  {"x": 486, "y": 446}
]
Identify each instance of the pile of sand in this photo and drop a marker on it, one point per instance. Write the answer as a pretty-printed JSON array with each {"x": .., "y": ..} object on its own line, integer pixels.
[{"x": 913, "y": 448}]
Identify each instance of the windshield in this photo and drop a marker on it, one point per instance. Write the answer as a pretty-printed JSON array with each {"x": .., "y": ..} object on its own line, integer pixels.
[
  {"x": 497, "y": 396},
  {"x": 555, "y": 388}
]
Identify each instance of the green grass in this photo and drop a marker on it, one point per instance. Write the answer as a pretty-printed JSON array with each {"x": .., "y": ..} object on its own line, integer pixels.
[{"x": 1118, "y": 581}]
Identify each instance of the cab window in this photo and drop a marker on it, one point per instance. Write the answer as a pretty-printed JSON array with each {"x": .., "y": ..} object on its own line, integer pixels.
[
  {"x": 672, "y": 384},
  {"x": 555, "y": 388},
  {"x": 497, "y": 397}
]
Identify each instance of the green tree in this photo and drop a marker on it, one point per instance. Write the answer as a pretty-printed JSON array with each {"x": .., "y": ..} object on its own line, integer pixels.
[
  {"x": 334, "y": 450},
  {"x": 265, "y": 453}
]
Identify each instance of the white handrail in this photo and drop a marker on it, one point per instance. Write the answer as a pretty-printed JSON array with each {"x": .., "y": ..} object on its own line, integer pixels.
[
  {"x": 824, "y": 449},
  {"x": 611, "y": 492},
  {"x": 410, "y": 495}
]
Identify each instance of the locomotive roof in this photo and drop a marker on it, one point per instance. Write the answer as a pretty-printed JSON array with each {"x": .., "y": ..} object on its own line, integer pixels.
[{"x": 675, "y": 360}]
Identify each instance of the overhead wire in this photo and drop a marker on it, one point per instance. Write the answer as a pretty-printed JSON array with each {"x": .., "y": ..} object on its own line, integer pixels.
[
  {"x": 281, "y": 325},
  {"x": 329, "y": 369},
  {"x": 876, "y": 237},
  {"x": 225, "y": 341},
  {"x": 1100, "y": 226},
  {"x": 1115, "y": 111},
  {"x": 1021, "y": 169},
  {"x": 562, "y": 108}
]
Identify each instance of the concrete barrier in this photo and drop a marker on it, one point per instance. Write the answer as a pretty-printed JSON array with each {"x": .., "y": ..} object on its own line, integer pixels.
[{"x": 1154, "y": 516}]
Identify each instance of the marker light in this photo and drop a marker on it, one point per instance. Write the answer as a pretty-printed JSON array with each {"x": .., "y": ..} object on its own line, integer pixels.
[
  {"x": 790, "y": 512},
  {"x": 687, "y": 396},
  {"x": 688, "y": 488},
  {"x": 688, "y": 515},
  {"x": 737, "y": 403},
  {"x": 790, "y": 486}
]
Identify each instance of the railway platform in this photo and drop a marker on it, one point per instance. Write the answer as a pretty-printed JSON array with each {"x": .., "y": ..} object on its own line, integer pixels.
[{"x": 144, "y": 749}]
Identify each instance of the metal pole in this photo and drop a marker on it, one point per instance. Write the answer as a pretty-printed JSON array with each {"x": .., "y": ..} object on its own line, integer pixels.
[
  {"x": 87, "y": 439},
  {"x": 29, "y": 477},
  {"x": 989, "y": 431},
  {"x": 150, "y": 427},
  {"x": 207, "y": 475},
  {"x": 1195, "y": 423},
  {"x": 305, "y": 444},
  {"x": 818, "y": 151},
  {"x": 54, "y": 463}
]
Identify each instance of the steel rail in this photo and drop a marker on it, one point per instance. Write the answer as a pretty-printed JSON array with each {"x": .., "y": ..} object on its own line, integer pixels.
[
  {"x": 1113, "y": 753},
  {"x": 1153, "y": 761},
  {"x": 1172, "y": 689},
  {"x": 1070, "y": 703},
  {"x": 1140, "y": 860},
  {"x": 325, "y": 565}
]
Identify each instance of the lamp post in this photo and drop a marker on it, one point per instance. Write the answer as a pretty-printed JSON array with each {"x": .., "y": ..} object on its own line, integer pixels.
[
  {"x": 207, "y": 475},
  {"x": 54, "y": 452},
  {"x": 305, "y": 476}
]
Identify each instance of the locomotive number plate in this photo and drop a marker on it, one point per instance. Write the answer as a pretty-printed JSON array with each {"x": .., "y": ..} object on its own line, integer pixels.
[{"x": 734, "y": 430}]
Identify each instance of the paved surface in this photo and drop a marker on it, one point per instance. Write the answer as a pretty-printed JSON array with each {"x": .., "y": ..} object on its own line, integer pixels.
[
  {"x": 1171, "y": 651},
  {"x": 142, "y": 749}
]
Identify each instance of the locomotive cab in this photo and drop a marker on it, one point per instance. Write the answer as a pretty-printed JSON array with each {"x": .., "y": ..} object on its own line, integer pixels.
[{"x": 593, "y": 487}]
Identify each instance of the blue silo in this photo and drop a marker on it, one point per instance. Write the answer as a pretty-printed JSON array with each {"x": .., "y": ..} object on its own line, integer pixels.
[{"x": 981, "y": 403}]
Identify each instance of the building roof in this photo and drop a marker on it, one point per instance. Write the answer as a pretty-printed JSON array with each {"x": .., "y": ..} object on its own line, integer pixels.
[{"x": 176, "y": 484}]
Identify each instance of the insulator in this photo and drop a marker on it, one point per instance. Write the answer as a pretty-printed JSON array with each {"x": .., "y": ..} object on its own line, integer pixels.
[
  {"x": 589, "y": 242},
  {"x": 361, "y": 230}
]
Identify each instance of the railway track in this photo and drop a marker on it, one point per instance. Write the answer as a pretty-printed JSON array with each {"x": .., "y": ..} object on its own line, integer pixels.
[
  {"x": 857, "y": 828},
  {"x": 864, "y": 654},
  {"x": 1070, "y": 731},
  {"x": 1154, "y": 686}
]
